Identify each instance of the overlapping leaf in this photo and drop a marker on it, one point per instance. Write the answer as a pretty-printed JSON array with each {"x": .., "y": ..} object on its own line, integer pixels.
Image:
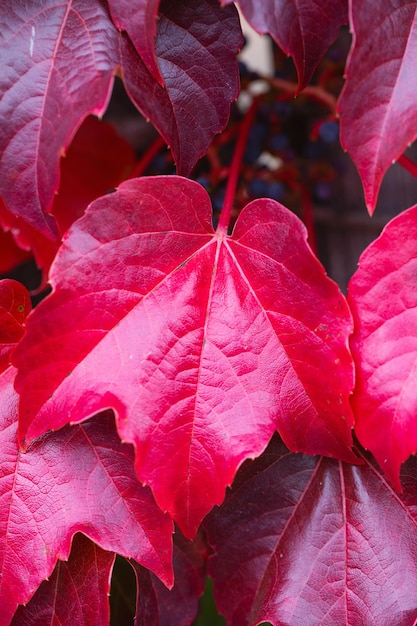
[
  {"x": 158, "y": 606},
  {"x": 383, "y": 299},
  {"x": 58, "y": 62},
  {"x": 97, "y": 161},
  {"x": 377, "y": 106},
  {"x": 310, "y": 541},
  {"x": 76, "y": 593},
  {"x": 138, "y": 19},
  {"x": 78, "y": 480},
  {"x": 14, "y": 306},
  {"x": 304, "y": 29},
  {"x": 203, "y": 344}
]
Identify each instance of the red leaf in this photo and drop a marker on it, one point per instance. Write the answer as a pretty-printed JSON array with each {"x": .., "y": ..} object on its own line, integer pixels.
[
  {"x": 195, "y": 46},
  {"x": 383, "y": 299},
  {"x": 377, "y": 105},
  {"x": 202, "y": 344},
  {"x": 61, "y": 59},
  {"x": 15, "y": 304},
  {"x": 313, "y": 541},
  {"x": 138, "y": 19},
  {"x": 158, "y": 606},
  {"x": 76, "y": 593},
  {"x": 78, "y": 480},
  {"x": 304, "y": 29}
]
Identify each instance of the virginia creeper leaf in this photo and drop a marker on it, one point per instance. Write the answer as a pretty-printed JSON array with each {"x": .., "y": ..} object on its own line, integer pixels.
[
  {"x": 158, "y": 606},
  {"x": 303, "y": 540},
  {"x": 203, "y": 344},
  {"x": 15, "y": 304},
  {"x": 78, "y": 480},
  {"x": 59, "y": 60},
  {"x": 377, "y": 105},
  {"x": 383, "y": 299},
  {"x": 303, "y": 29},
  {"x": 138, "y": 19},
  {"x": 76, "y": 593}
]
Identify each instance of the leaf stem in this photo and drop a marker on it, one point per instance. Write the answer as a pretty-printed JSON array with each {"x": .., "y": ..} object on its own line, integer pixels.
[
  {"x": 235, "y": 168},
  {"x": 408, "y": 165}
]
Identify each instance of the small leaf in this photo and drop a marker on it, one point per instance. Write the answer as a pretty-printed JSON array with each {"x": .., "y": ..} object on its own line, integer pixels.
[
  {"x": 203, "y": 344},
  {"x": 15, "y": 305},
  {"x": 76, "y": 593},
  {"x": 310, "y": 541},
  {"x": 302, "y": 29},
  {"x": 383, "y": 299},
  {"x": 377, "y": 106},
  {"x": 139, "y": 20}
]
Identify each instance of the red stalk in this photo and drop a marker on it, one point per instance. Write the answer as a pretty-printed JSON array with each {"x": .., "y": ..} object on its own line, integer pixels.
[
  {"x": 408, "y": 165},
  {"x": 235, "y": 169},
  {"x": 146, "y": 159}
]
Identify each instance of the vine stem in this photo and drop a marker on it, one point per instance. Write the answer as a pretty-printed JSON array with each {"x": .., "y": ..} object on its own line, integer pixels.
[
  {"x": 408, "y": 164},
  {"x": 144, "y": 162},
  {"x": 235, "y": 169}
]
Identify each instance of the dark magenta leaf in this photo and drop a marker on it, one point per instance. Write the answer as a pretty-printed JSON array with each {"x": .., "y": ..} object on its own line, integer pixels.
[
  {"x": 303, "y": 29},
  {"x": 15, "y": 305},
  {"x": 304, "y": 540},
  {"x": 158, "y": 606},
  {"x": 78, "y": 480},
  {"x": 203, "y": 344},
  {"x": 377, "y": 105},
  {"x": 383, "y": 299},
  {"x": 139, "y": 20},
  {"x": 59, "y": 60},
  {"x": 76, "y": 593}
]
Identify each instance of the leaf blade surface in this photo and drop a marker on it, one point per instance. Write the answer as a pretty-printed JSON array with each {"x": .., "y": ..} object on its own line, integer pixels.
[{"x": 180, "y": 331}]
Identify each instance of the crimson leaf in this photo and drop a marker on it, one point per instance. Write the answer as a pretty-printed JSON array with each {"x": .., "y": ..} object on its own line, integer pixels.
[
  {"x": 383, "y": 300},
  {"x": 14, "y": 306},
  {"x": 59, "y": 60},
  {"x": 76, "y": 593},
  {"x": 310, "y": 541},
  {"x": 203, "y": 344},
  {"x": 302, "y": 28},
  {"x": 78, "y": 480},
  {"x": 377, "y": 106},
  {"x": 138, "y": 19},
  {"x": 158, "y": 606}
]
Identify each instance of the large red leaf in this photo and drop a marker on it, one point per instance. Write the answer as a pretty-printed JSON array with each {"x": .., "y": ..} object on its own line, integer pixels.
[
  {"x": 158, "y": 606},
  {"x": 383, "y": 299},
  {"x": 78, "y": 480},
  {"x": 58, "y": 62},
  {"x": 378, "y": 103},
  {"x": 77, "y": 592},
  {"x": 313, "y": 541},
  {"x": 203, "y": 344},
  {"x": 304, "y": 29},
  {"x": 15, "y": 304}
]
